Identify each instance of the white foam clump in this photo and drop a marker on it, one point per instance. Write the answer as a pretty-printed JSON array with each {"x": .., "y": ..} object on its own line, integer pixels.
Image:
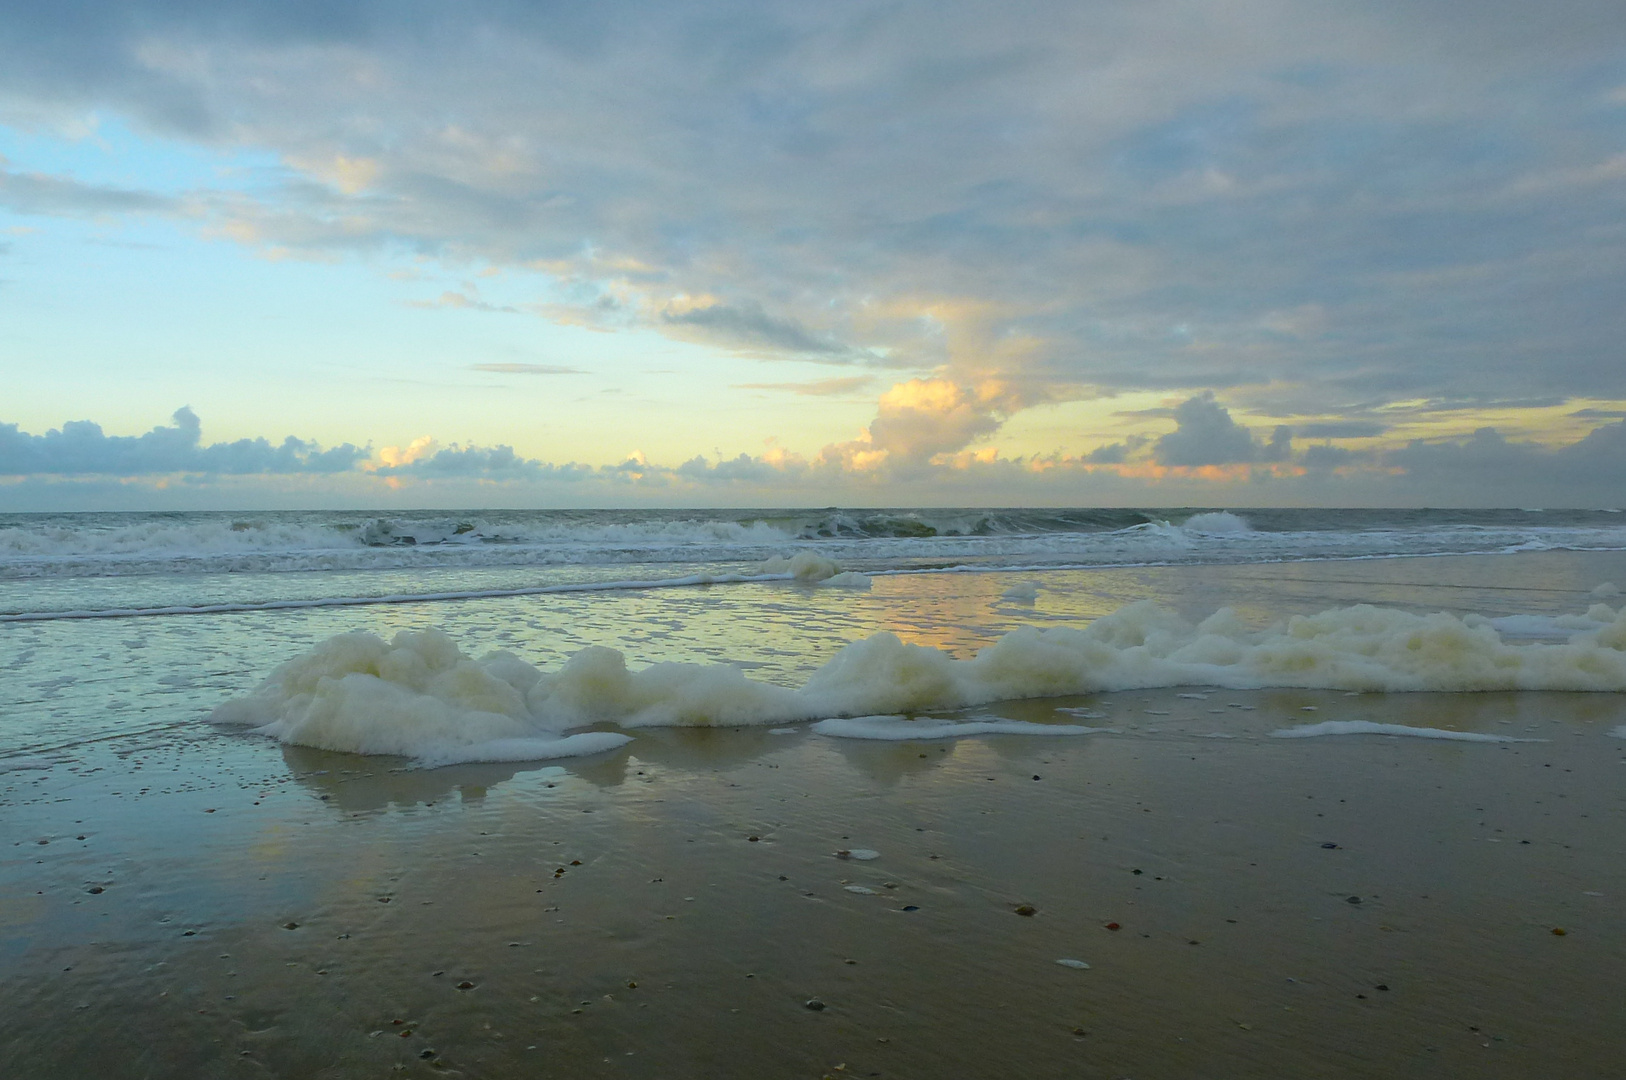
[
  {"x": 848, "y": 579},
  {"x": 1620, "y": 732},
  {"x": 417, "y": 696},
  {"x": 901, "y": 728},
  {"x": 420, "y": 696},
  {"x": 1368, "y": 727},
  {"x": 808, "y": 567},
  {"x": 1025, "y": 592}
]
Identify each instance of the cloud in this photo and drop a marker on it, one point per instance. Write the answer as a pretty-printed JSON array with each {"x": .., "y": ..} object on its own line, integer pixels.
[
  {"x": 1378, "y": 204},
  {"x": 1205, "y": 434},
  {"x": 527, "y": 369},
  {"x": 80, "y": 448},
  {"x": 462, "y": 301},
  {"x": 748, "y": 326},
  {"x": 1168, "y": 195},
  {"x": 927, "y": 457},
  {"x": 817, "y": 388},
  {"x": 476, "y": 462},
  {"x": 1340, "y": 429},
  {"x": 1486, "y": 465},
  {"x": 921, "y": 419},
  {"x": 40, "y": 193}
]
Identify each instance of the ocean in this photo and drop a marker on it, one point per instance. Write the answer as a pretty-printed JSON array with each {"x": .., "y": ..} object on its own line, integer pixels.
[
  {"x": 892, "y": 793},
  {"x": 117, "y": 623}
]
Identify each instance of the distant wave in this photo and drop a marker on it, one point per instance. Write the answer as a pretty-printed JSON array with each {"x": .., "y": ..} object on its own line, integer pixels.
[{"x": 115, "y": 545}]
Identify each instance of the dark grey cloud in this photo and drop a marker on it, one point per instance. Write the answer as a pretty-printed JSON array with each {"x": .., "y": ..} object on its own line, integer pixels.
[
  {"x": 37, "y": 193},
  {"x": 80, "y": 448},
  {"x": 1489, "y": 469},
  {"x": 1205, "y": 434},
  {"x": 750, "y": 326}
]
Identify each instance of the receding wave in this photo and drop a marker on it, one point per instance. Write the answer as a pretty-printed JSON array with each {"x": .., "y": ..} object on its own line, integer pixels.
[
  {"x": 420, "y": 696},
  {"x": 806, "y": 568}
]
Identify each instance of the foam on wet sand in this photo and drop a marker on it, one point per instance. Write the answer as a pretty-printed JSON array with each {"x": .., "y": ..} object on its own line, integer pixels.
[{"x": 419, "y": 695}]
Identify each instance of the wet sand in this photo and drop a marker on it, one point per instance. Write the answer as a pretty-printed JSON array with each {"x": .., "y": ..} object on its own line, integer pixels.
[{"x": 215, "y": 907}]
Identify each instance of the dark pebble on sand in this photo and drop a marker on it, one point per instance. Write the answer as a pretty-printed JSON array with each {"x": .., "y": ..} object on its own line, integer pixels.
[
  {"x": 465, "y": 985},
  {"x": 813, "y": 1003},
  {"x": 94, "y": 889},
  {"x": 910, "y": 907},
  {"x": 426, "y": 1054},
  {"x": 1113, "y": 926},
  {"x": 1026, "y": 910},
  {"x": 290, "y": 926},
  {"x": 1353, "y": 900},
  {"x": 1330, "y": 846}
]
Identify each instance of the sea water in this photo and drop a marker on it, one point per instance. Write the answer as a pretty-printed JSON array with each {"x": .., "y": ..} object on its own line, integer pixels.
[{"x": 531, "y": 635}]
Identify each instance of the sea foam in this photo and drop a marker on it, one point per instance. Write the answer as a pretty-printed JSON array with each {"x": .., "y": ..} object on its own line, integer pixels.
[
  {"x": 420, "y": 696},
  {"x": 1368, "y": 727}
]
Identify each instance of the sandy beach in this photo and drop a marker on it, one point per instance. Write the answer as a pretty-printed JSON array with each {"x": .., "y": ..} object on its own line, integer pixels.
[{"x": 678, "y": 908}]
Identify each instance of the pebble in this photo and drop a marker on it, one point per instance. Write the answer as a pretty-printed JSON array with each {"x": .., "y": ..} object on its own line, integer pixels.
[
  {"x": 813, "y": 1003},
  {"x": 1026, "y": 910}
]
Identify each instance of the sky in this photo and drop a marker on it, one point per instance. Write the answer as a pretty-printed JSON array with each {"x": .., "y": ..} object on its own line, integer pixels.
[{"x": 313, "y": 253}]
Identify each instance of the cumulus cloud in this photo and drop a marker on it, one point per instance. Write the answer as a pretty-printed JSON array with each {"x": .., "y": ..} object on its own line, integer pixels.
[
  {"x": 922, "y": 419},
  {"x": 921, "y": 458},
  {"x": 80, "y": 448},
  {"x": 1205, "y": 434},
  {"x": 1488, "y": 466},
  {"x": 477, "y": 462}
]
